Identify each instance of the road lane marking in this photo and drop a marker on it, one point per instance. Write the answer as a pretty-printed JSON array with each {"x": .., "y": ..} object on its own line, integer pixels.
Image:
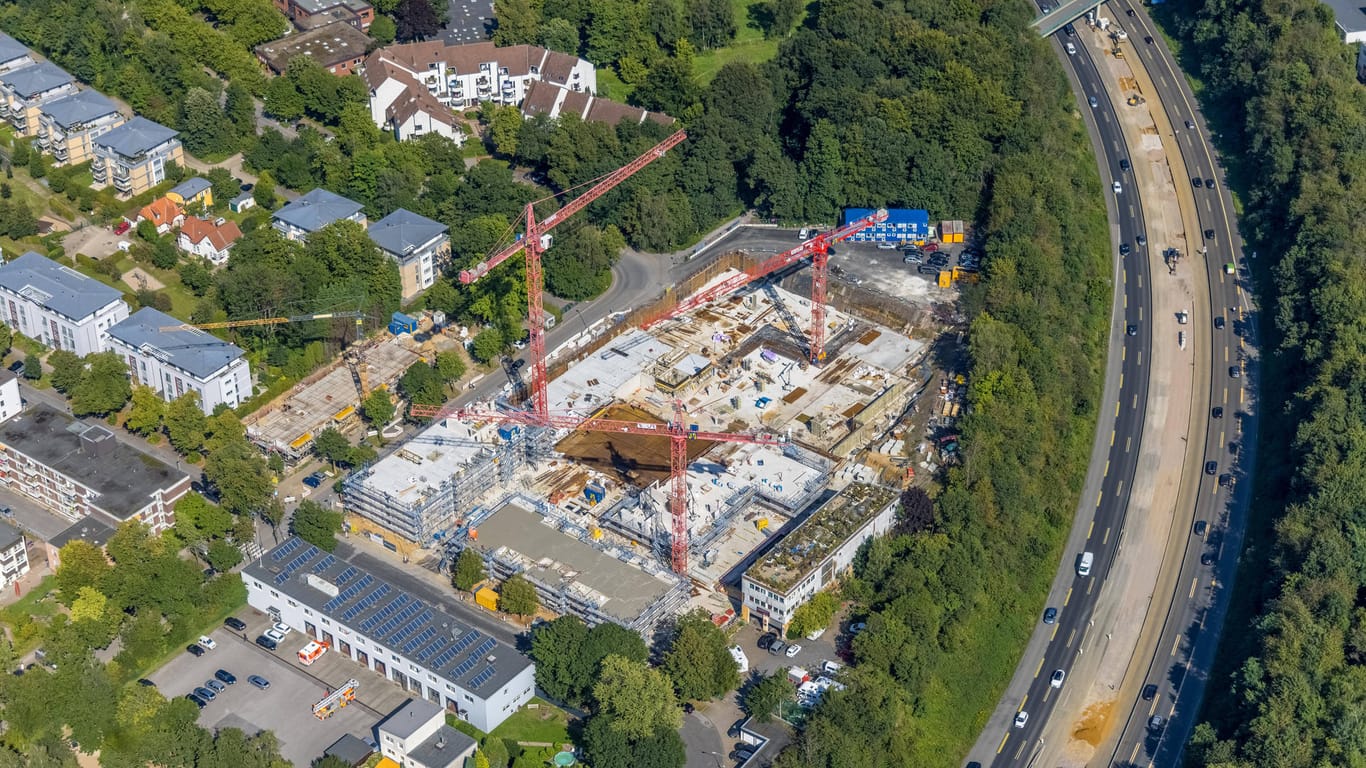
[
  {"x": 1112, "y": 438},
  {"x": 1176, "y": 642},
  {"x": 1090, "y": 530},
  {"x": 1132, "y": 755},
  {"x": 1140, "y": 314},
  {"x": 1066, "y": 598},
  {"x": 1023, "y": 701},
  {"x": 1019, "y": 750},
  {"x": 1006, "y": 738},
  {"x": 1152, "y": 708},
  {"x": 1037, "y": 671},
  {"x": 1226, "y": 354},
  {"x": 1119, "y": 490},
  {"x": 1090, "y": 584},
  {"x": 1140, "y": 358},
  {"x": 1047, "y": 691},
  {"x": 1099, "y": 494},
  {"x": 1134, "y": 404},
  {"x": 1117, "y": 407},
  {"x": 1221, "y": 437},
  {"x": 1127, "y": 442},
  {"x": 1070, "y": 637},
  {"x": 1054, "y": 636},
  {"x": 1106, "y": 538},
  {"x": 1107, "y": 469},
  {"x": 1194, "y": 582},
  {"x": 1172, "y": 711}
]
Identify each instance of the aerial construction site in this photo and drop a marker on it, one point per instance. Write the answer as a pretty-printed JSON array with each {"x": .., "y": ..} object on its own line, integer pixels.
[{"x": 662, "y": 463}]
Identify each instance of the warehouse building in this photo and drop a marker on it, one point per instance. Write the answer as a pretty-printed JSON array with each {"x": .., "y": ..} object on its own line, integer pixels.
[
  {"x": 421, "y": 648},
  {"x": 903, "y": 225},
  {"x": 813, "y": 555}
]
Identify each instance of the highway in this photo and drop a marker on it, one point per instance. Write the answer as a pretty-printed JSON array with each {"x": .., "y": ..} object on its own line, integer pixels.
[
  {"x": 1122, "y": 418},
  {"x": 1178, "y": 671}
]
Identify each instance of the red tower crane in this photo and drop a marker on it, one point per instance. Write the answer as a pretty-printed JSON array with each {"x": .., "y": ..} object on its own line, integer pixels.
[
  {"x": 818, "y": 248},
  {"x": 533, "y": 244},
  {"x": 678, "y": 431}
]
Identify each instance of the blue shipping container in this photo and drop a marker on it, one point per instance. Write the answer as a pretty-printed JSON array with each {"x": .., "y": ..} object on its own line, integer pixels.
[
  {"x": 401, "y": 323},
  {"x": 902, "y": 225}
]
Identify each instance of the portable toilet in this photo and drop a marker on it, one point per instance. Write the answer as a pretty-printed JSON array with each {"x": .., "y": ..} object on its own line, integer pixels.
[{"x": 401, "y": 323}]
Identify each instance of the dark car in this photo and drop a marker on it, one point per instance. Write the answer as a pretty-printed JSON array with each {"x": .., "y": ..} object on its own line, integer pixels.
[
  {"x": 1211, "y": 467},
  {"x": 1149, "y": 692},
  {"x": 1190, "y": 125},
  {"x": 1196, "y": 182},
  {"x": 205, "y": 693},
  {"x": 235, "y": 623},
  {"x": 1216, "y": 412},
  {"x": 766, "y": 640},
  {"x": 735, "y": 728},
  {"x": 144, "y": 682},
  {"x": 1219, "y": 323},
  {"x": 195, "y": 649},
  {"x": 1207, "y": 559},
  {"x": 1209, "y": 183},
  {"x": 225, "y": 676},
  {"x": 265, "y": 642},
  {"x": 17, "y": 366},
  {"x": 259, "y": 682},
  {"x": 1209, "y": 234},
  {"x": 1141, "y": 240},
  {"x": 1200, "y": 527},
  {"x": 926, "y": 269},
  {"x": 1226, "y": 480},
  {"x": 314, "y": 480},
  {"x": 1148, "y": 39},
  {"x": 1069, "y": 29},
  {"x": 1132, "y": 330},
  {"x": 1129, "y": 12},
  {"x": 198, "y": 702},
  {"x": 1235, "y": 372},
  {"x": 1124, "y": 249},
  {"x": 1050, "y": 616},
  {"x": 1123, "y": 164}
]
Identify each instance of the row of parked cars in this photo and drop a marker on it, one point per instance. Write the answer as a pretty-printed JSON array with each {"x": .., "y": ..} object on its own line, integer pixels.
[{"x": 222, "y": 678}]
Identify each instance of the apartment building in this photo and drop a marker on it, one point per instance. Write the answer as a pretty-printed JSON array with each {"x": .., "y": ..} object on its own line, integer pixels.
[
  {"x": 314, "y": 210},
  {"x": 13, "y": 555},
  {"x": 133, "y": 157},
  {"x": 24, "y": 91},
  {"x": 338, "y": 48},
  {"x": 416, "y": 736},
  {"x": 211, "y": 240},
  {"x": 68, "y": 126},
  {"x": 80, "y": 469},
  {"x": 174, "y": 362},
  {"x": 417, "y": 244},
  {"x": 11, "y": 401},
  {"x": 13, "y": 54},
  {"x": 546, "y": 99},
  {"x": 461, "y": 76},
  {"x": 309, "y": 14},
  {"x": 422, "y": 647},
  {"x": 57, "y": 305}
]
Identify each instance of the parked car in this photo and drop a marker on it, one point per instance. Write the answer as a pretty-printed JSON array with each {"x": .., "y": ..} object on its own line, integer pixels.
[
  {"x": 778, "y": 648},
  {"x": 198, "y": 702},
  {"x": 207, "y": 642},
  {"x": 123, "y": 226},
  {"x": 1200, "y": 527},
  {"x": 1050, "y": 615},
  {"x": 926, "y": 269},
  {"x": 792, "y": 650},
  {"x": 205, "y": 693},
  {"x": 281, "y": 627},
  {"x": 265, "y": 641},
  {"x": 314, "y": 480},
  {"x": 195, "y": 649},
  {"x": 226, "y": 676},
  {"x": 215, "y": 685},
  {"x": 857, "y": 627},
  {"x": 235, "y": 623},
  {"x": 886, "y": 246},
  {"x": 259, "y": 682},
  {"x": 913, "y": 258},
  {"x": 17, "y": 366},
  {"x": 766, "y": 640}
]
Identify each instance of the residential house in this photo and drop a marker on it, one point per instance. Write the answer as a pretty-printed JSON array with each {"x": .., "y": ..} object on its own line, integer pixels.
[
  {"x": 209, "y": 239},
  {"x": 89, "y": 529},
  {"x": 81, "y": 469},
  {"x": 337, "y": 47},
  {"x": 416, "y": 735},
  {"x": 314, "y": 210},
  {"x": 1349, "y": 16},
  {"x": 13, "y": 54},
  {"x": 133, "y": 157},
  {"x": 25, "y": 90},
  {"x": 243, "y": 202},
  {"x": 13, "y": 555},
  {"x": 307, "y": 14},
  {"x": 417, "y": 244},
  {"x": 174, "y": 362},
  {"x": 195, "y": 190},
  {"x": 546, "y": 99},
  {"x": 57, "y": 305},
  {"x": 462, "y": 76},
  {"x": 68, "y": 126},
  {"x": 11, "y": 401},
  {"x": 163, "y": 213}
]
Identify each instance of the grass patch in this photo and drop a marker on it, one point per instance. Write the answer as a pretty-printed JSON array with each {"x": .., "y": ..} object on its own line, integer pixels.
[
  {"x": 749, "y": 45},
  {"x": 611, "y": 87},
  {"x": 465, "y": 728},
  {"x": 26, "y": 617},
  {"x": 546, "y": 723}
]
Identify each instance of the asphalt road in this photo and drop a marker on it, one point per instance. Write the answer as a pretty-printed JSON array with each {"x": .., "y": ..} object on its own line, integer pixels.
[{"x": 1185, "y": 649}]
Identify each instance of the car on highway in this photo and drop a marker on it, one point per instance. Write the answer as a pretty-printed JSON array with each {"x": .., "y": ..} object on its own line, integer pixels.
[
  {"x": 1156, "y": 722},
  {"x": 1069, "y": 29},
  {"x": 803, "y": 233},
  {"x": 1123, "y": 164},
  {"x": 226, "y": 677},
  {"x": 1235, "y": 372},
  {"x": 1196, "y": 182},
  {"x": 235, "y": 623},
  {"x": 1093, "y": 101},
  {"x": 207, "y": 642},
  {"x": 1207, "y": 558},
  {"x": 1141, "y": 240},
  {"x": 1190, "y": 125},
  {"x": 1209, "y": 183},
  {"x": 1129, "y": 12},
  {"x": 1117, "y": 187},
  {"x": 1021, "y": 718},
  {"x": 1084, "y": 562},
  {"x": 1148, "y": 39},
  {"x": 1050, "y": 615},
  {"x": 1132, "y": 330},
  {"x": 1216, "y": 412},
  {"x": 792, "y": 650},
  {"x": 1124, "y": 249},
  {"x": 259, "y": 682},
  {"x": 1219, "y": 323},
  {"x": 1149, "y": 692},
  {"x": 1211, "y": 467},
  {"x": 1226, "y": 480},
  {"x": 1056, "y": 680},
  {"x": 1200, "y": 527},
  {"x": 195, "y": 649}
]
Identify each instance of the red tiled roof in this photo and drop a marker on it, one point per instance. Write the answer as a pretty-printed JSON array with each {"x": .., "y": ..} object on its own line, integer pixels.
[
  {"x": 220, "y": 236},
  {"x": 162, "y": 212}
]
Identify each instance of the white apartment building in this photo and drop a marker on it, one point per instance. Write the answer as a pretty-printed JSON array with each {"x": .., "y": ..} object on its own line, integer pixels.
[
  {"x": 421, "y": 647},
  {"x": 417, "y": 244},
  {"x": 13, "y": 555},
  {"x": 57, "y": 305},
  {"x": 814, "y": 554},
  {"x": 13, "y": 54},
  {"x": 25, "y": 90},
  {"x": 416, "y": 736},
  {"x": 11, "y": 401},
  {"x": 314, "y": 210},
  {"x": 174, "y": 362}
]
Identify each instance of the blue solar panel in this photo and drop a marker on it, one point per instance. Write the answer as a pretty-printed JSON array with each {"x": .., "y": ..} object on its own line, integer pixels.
[
  {"x": 344, "y": 595},
  {"x": 347, "y": 575},
  {"x": 384, "y": 612},
  {"x": 426, "y": 653},
  {"x": 365, "y": 603},
  {"x": 444, "y": 658},
  {"x": 483, "y": 677},
  {"x": 287, "y": 549},
  {"x": 324, "y": 564},
  {"x": 465, "y": 666},
  {"x": 422, "y": 637},
  {"x": 410, "y": 628},
  {"x": 485, "y": 647},
  {"x": 465, "y": 641}
]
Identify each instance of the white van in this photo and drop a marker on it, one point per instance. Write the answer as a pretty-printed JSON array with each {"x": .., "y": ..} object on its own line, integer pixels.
[
  {"x": 741, "y": 660},
  {"x": 802, "y": 235},
  {"x": 1084, "y": 563},
  {"x": 1071, "y": 50}
]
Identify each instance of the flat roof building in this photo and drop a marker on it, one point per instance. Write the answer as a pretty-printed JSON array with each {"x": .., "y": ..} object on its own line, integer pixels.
[
  {"x": 57, "y": 305},
  {"x": 78, "y": 469},
  {"x": 314, "y": 210},
  {"x": 337, "y": 47},
  {"x": 421, "y": 647},
  {"x": 416, "y": 735},
  {"x": 813, "y": 554},
  {"x": 91, "y": 530},
  {"x": 187, "y": 360}
]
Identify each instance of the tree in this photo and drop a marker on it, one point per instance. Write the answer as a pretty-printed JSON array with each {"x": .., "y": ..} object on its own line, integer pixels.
[
  {"x": 814, "y": 614},
  {"x": 198, "y": 522},
  {"x": 421, "y": 385},
  {"x": 239, "y": 473},
  {"x": 449, "y": 367},
  {"x": 264, "y": 191},
  {"x": 19, "y": 155},
  {"x": 917, "y": 511},
  {"x": 67, "y": 369},
  {"x": 196, "y": 276},
  {"x": 712, "y": 22},
  {"x": 37, "y": 165},
  {"x": 415, "y": 20},
  {"x": 103, "y": 387},
  {"x": 204, "y": 126},
  {"x": 383, "y": 30},
  {"x": 578, "y": 266},
  {"x": 517, "y": 22},
  {"x": 332, "y": 446},
  {"x": 6, "y": 339},
  {"x": 518, "y": 597},
  {"x": 557, "y": 648},
  {"x": 560, "y": 35},
  {"x": 505, "y": 124},
  {"x": 698, "y": 660},
  {"x": 33, "y": 367},
  {"x": 186, "y": 423},
  {"x": 82, "y": 565},
  {"x": 480, "y": 759},
  {"x": 637, "y": 698},
  {"x": 316, "y": 525},
  {"x": 468, "y": 570},
  {"x": 223, "y": 555},
  {"x": 764, "y": 696},
  {"x": 378, "y": 408}
]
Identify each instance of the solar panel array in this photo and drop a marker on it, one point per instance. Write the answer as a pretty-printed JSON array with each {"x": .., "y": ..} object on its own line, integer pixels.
[
  {"x": 403, "y": 615},
  {"x": 347, "y": 594},
  {"x": 436, "y": 647},
  {"x": 287, "y": 549},
  {"x": 465, "y": 641},
  {"x": 384, "y": 613},
  {"x": 483, "y": 677},
  {"x": 324, "y": 564},
  {"x": 366, "y": 602},
  {"x": 444, "y": 659},
  {"x": 465, "y": 666},
  {"x": 485, "y": 647},
  {"x": 422, "y": 637},
  {"x": 347, "y": 575},
  {"x": 409, "y": 628},
  {"x": 283, "y": 576}
]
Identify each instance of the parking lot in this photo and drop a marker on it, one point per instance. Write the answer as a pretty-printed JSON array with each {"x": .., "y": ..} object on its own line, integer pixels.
[
  {"x": 811, "y": 655},
  {"x": 286, "y": 708}
]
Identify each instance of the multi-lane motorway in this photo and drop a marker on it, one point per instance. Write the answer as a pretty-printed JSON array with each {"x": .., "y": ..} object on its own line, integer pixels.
[
  {"x": 1178, "y": 670},
  {"x": 1122, "y": 417}
]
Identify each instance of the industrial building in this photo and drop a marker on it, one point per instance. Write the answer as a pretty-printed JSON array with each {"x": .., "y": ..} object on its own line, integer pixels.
[
  {"x": 815, "y": 553},
  {"x": 420, "y": 647}
]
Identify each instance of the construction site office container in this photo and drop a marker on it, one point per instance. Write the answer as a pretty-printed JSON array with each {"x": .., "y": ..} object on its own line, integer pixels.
[
  {"x": 903, "y": 225},
  {"x": 401, "y": 323}
]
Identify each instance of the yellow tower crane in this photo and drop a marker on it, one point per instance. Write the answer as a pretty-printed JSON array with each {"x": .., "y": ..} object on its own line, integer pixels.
[{"x": 359, "y": 317}]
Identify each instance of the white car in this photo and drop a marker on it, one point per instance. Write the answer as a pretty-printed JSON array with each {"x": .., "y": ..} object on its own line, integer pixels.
[
  {"x": 281, "y": 627},
  {"x": 1021, "y": 718},
  {"x": 793, "y": 650},
  {"x": 1058, "y": 677},
  {"x": 830, "y": 667},
  {"x": 207, "y": 642},
  {"x": 1118, "y": 187},
  {"x": 276, "y": 635}
]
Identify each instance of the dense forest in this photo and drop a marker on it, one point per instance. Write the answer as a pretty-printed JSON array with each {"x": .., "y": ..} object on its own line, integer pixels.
[{"x": 1291, "y": 687}]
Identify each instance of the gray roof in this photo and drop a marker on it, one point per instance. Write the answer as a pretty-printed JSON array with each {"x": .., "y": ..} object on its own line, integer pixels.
[
  {"x": 78, "y": 108},
  {"x": 9, "y": 536},
  {"x": 191, "y": 187},
  {"x": 402, "y": 231},
  {"x": 136, "y": 136},
  {"x": 90, "y": 529},
  {"x": 429, "y": 635},
  {"x": 30, "y": 81},
  {"x": 349, "y": 749},
  {"x": 442, "y": 749},
  {"x": 199, "y": 352},
  {"x": 11, "y": 49},
  {"x": 1350, "y": 16},
  {"x": 55, "y": 287},
  {"x": 316, "y": 209},
  {"x": 124, "y": 477},
  {"x": 407, "y": 719}
]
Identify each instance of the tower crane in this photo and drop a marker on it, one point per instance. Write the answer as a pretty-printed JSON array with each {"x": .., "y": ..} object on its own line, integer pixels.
[
  {"x": 818, "y": 249},
  {"x": 359, "y": 316},
  {"x": 534, "y": 242},
  {"x": 678, "y": 431}
]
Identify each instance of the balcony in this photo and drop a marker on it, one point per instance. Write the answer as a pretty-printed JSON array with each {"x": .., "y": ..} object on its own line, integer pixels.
[
  {"x": 99, "y": 171},
  {"x": 59, "y": 152}
]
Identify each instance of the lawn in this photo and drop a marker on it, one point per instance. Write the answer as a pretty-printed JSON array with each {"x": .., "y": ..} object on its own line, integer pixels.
[
  {"x": 546, "y": 723},
  {"x": 749, "y": 45},
  {"x": 22, "y": 617}
]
